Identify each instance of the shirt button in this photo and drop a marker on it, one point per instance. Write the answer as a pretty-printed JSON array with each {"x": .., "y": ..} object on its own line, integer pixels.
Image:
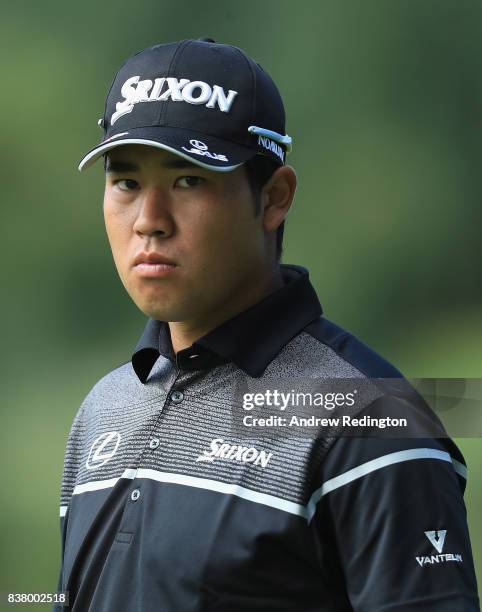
[
  {"x": 135, "y": 494},
  {"x": 177, "y": 397},
  {"x": 154, "y": 443}
]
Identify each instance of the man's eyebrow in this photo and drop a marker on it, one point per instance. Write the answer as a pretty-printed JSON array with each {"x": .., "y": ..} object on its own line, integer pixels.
[
  {"x": 120, "y": 166},
  {"x": 124, "y": 166}
]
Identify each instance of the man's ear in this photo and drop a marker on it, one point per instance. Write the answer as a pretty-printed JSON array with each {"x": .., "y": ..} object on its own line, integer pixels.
[{"x": 277, "y": 196}]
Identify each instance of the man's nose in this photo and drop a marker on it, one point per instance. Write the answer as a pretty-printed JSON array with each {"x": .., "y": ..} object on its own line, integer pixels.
[{"x": 154, "y": 213}]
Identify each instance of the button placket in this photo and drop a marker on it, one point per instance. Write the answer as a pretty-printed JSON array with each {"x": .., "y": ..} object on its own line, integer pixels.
[{"x": 131, "y": 515}]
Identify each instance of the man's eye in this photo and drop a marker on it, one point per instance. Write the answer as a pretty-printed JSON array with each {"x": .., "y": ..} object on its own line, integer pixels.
[
  {"x": 126, "y": 184},
  {"x": 189, "y": 181}
]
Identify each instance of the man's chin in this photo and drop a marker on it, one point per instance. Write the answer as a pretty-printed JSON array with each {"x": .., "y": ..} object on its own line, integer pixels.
[{"x": 163, "y": 312}]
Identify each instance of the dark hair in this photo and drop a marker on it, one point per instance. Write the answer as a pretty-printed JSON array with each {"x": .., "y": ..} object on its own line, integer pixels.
[{"x": 259, "y": 170}]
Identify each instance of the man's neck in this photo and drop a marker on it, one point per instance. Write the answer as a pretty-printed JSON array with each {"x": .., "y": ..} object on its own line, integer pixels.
[{"x": 184, "y": 333}]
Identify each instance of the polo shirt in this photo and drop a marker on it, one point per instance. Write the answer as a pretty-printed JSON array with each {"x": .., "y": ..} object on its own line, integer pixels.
[{"x": 165, "y": 507}]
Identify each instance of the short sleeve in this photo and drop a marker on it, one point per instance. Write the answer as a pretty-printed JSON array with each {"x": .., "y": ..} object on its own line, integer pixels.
[{"x": 393, "y": 512}]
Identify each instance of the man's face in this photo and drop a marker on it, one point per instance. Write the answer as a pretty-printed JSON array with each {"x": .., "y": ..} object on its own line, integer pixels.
[{"x": 201, "y": 221}]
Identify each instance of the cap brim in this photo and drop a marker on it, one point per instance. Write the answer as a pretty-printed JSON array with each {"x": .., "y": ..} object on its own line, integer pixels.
[{"x": 208, "y": 152}]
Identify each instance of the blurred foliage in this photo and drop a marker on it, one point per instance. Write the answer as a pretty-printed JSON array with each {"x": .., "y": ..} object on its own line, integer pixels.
[{"x": 384, "y": 104}]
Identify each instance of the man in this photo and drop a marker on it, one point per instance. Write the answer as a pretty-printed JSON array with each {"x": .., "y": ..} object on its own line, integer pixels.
[{"x": 167, "y": 503}]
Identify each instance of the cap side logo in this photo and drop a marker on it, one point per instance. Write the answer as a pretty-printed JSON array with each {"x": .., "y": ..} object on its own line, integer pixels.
[
  {"x": 135, "y": 91},
  {"x": 271, "y": 145}
]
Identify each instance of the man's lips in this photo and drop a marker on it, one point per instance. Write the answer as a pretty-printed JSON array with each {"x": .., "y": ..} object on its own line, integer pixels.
[
  {"x": 153, "y": 265},
  {"x": 152, "y": 258}
]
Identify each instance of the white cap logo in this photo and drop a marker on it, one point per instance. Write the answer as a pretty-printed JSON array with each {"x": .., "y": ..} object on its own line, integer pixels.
[
  {"x": 199, "y": 145},
  {"x": 135, "y": 91}
]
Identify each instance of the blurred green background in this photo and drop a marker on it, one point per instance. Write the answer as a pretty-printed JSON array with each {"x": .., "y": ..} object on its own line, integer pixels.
[{"x": 384, "y": 104}]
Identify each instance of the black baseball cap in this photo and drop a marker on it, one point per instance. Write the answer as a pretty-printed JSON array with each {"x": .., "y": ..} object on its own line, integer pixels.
[{"x": 202, "y": 100}]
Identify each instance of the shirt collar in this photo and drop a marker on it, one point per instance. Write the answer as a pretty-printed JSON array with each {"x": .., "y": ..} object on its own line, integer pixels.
[{"x": 251, "y": 339}]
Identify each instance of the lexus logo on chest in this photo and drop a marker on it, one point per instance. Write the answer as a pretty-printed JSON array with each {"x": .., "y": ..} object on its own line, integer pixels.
[{"x": 103, "y": 449}]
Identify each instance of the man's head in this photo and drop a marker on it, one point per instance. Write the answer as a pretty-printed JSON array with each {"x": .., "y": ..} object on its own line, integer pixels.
[{"x": 203, "y": 110}]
